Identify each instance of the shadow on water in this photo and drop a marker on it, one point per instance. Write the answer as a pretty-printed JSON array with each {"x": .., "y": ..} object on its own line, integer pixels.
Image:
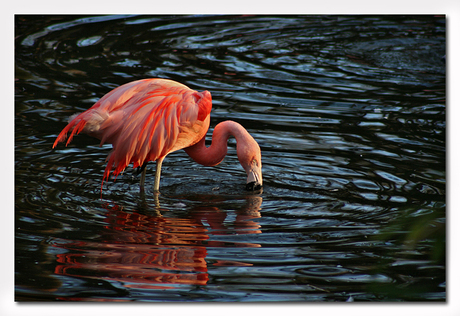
[{"x": 349, "y": 112}]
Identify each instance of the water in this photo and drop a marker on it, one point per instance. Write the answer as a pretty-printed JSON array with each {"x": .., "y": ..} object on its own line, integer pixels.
[{"x": 349, "y": 112}]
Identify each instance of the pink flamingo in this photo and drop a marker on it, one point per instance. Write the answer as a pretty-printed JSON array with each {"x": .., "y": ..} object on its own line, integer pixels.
[{"x": 145, "y": 120}]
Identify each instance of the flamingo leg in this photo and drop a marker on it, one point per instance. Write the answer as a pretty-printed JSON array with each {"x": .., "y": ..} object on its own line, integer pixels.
[
  {"x": 156, "y": 186},
  {"x": 144, "y": 171}
]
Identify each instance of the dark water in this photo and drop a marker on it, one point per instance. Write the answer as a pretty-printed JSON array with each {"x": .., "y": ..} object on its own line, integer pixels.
[{"x": 350, "y": 115}]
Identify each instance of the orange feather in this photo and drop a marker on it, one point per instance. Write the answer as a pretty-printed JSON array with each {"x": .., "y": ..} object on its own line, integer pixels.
[
  {"x": 147, "y": 119},
  {"x": 142, "y": 120}
]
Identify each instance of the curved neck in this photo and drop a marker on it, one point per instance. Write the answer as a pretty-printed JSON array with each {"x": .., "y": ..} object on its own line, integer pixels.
[{"x": 214, "y": 154}]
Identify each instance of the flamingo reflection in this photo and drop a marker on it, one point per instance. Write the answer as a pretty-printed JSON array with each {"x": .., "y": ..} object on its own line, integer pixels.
[{"x": 157, "y": 251}]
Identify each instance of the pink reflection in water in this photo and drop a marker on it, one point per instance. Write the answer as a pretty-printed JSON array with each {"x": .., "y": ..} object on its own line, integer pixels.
[{"x": 153, "y": 251}]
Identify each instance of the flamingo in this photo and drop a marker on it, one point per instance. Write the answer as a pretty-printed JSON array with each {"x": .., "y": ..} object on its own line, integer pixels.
[{"x": 147, "y": 119}]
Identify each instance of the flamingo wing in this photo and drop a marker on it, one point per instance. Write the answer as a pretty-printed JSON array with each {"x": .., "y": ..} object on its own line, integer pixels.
[{"x": 142, "y": 120}]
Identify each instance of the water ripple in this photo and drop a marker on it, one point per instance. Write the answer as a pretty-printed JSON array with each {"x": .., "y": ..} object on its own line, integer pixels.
[{"x": 349, "y": 112}]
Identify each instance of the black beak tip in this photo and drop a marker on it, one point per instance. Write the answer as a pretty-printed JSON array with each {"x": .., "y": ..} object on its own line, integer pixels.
[{"x": 253, "y": 186}]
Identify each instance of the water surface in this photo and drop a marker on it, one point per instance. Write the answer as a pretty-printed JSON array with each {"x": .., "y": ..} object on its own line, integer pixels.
[{"x": 349, "y": 112}]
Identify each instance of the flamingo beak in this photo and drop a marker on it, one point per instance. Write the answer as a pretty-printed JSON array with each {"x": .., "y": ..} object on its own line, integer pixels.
[{"x": 254, "y": 181}]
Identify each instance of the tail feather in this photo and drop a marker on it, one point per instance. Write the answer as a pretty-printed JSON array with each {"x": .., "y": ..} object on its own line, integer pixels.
[
  {"x": 88, "y": 122},
  {"x": 74, "y": 126},
  {"x": 76, "y": 130}
]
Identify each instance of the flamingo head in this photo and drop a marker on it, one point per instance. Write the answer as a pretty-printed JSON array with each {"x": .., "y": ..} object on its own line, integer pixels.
[
  {"x": 254, "y": 181},
  {"x": 251, "y": 160}
]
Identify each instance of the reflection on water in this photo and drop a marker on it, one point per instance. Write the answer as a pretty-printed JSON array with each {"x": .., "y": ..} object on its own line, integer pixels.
[
  {"x": 155, "y": 252},
  {"x": 349, "y": 112}
]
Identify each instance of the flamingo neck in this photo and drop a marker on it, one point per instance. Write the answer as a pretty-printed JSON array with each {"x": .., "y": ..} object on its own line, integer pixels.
[{"x": 214, "y": 154}]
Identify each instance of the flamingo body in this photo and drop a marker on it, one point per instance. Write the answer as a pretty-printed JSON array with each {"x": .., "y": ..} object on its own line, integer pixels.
[{"x": 145, "y": 120}]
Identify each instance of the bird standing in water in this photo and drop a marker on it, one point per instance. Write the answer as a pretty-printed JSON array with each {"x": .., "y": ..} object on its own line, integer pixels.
[{"x": 147, "y": 119}]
